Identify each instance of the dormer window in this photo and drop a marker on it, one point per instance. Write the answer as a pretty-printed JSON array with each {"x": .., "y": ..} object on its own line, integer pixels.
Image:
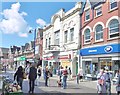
[
  {"x": 98, "y": 11},
  {"x": 113, "y": 4},
  {"x": 87, "y": 15}
]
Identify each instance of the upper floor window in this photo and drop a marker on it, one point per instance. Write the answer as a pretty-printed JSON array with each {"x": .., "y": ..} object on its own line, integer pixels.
[
  {"x": 98, "y": 11},
  {"x": 49, "y": 41},
  {"x": 113, "y": 4},
  {"x": 87, "y": 35},
  {"x": 57, "y": 37},
  {"x": 113, "y": 28},
  {"x": 65, "y": 36},
  {"x": 99, "y": 32},
  {"x": 71, "y": 34},
  {"x": 87, "y": 15},
  {"x": 46, "y": 43}
]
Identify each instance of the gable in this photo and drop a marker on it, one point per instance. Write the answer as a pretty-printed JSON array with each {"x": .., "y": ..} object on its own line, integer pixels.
[{"x": 87, "y": 5}]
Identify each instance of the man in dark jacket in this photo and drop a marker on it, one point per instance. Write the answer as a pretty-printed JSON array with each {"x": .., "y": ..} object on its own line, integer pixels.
[{"x": 32, "y": 77}]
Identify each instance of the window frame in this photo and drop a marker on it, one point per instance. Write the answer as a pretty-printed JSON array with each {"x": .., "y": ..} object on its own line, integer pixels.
[
  {"x": 116, "y": 32},
  {"x": 72, "y": 34},
  {"x": 65, "y": 36},
  {"x": 113, "y": 3},
  {"x": 86, "y": 14},
  {"x": 96, "y": 11},
  {"x": 100, "y": 32},
  {"x": 88, "y": 40},
  {"x": 57, "y": 37}
]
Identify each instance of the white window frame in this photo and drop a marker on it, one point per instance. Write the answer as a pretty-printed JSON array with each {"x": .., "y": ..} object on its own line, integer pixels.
[
  {"x": 96, "y": 11},
  {"x": 101, "y": 39},
  {"x": 86, "y": 14},
  {"x": 85, "y": 41},
  {"x": 46, "y": 45},
  {"x": 111, "y": 2},
  {"x": 57, "y": 37},
  {"x": 72, "y": 34},
  {"x": 117, "y": 32},
  {"x": 65, "y": 36}
]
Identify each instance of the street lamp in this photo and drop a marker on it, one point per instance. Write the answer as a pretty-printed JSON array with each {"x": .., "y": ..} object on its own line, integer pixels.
[{"x": 30, "y": 31}]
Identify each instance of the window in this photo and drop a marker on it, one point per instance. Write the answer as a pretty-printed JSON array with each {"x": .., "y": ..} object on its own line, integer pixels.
[
  {"x": 71, "y": 34},
  {"x": 99, "y": 32},
  {"x": 98, "y": 11},
  {"x": 46, "y": 43},
  {"x": 87, "y": 15},
  {"x": 65, "y": 36},
  {"x": 49, "y": 41},
  {"x": 57, "y": 37},
  {"x": 87, "y": 35},
  {"x": 114, "y": 28},
  {"x": 113, "y": 4}
]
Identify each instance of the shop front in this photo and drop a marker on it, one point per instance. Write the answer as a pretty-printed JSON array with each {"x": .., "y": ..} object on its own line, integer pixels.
[{"x": 95, "y": 58}]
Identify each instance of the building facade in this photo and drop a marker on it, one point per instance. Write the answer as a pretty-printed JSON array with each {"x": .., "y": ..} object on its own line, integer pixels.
[
  {"x": 61, "y": 40},
  {"x": 100, "y": 35}
]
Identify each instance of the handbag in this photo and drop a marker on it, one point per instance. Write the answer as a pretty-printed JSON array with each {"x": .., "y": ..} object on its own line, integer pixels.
[{"x": 24, "y": 76}]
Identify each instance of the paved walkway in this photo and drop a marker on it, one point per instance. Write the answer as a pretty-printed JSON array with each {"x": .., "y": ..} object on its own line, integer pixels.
[
  {"x": 72, "y": 86},
  {"x": 85, "y": 83}
]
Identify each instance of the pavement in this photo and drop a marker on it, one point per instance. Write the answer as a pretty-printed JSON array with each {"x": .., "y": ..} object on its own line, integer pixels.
[{"x": 72, "y": 86}]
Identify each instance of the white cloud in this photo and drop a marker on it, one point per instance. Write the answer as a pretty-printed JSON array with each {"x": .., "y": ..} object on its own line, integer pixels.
[
  {"x": 41, "y": 22},
  {"x": 23, "y": 35},
  {"x": 13, "y": 21}
]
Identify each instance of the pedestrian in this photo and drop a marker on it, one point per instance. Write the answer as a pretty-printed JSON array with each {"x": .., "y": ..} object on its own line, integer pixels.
[
  {"x": 80, "y": 75},
  {"x": 64, "y": 77},
  {"x": 38, "y": 74},
  {"x": 101, "y": 87},
  {"x": 69, "y": 73},
  {"x": 32, "y": 77},
  {"x": 118, "y": 83},
  {"x": 108, "y": 81},
  {"x": 19, "y": 76},
  {"x": 46, "y": 76}
]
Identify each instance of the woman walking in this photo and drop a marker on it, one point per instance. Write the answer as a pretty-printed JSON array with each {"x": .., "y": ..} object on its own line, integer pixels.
[
  {"x": 19, "y": 76},
  {"x": 101, "y": 86}
]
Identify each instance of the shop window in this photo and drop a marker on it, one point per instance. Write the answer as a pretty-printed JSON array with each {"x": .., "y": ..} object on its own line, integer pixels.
[{"x": 113, "y": 28}]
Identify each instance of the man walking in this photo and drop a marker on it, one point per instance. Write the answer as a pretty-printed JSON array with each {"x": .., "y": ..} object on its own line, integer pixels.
[
  {"x": 65, "y": 73},
  {"x": 108, "y": 81},
  {"x": 32, "y": 77}
]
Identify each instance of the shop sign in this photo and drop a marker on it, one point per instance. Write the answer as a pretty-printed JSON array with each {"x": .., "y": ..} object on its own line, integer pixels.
[
  {"x": 48, "y": 58},
  {"x": 107, "y": 49}
]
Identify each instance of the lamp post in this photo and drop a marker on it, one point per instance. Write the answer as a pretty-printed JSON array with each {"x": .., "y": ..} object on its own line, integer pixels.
[{"x": 34, "y": 41}]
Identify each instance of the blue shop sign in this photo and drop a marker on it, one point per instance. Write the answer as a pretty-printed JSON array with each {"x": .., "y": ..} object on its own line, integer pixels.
[{"x": 107, "y": 49}]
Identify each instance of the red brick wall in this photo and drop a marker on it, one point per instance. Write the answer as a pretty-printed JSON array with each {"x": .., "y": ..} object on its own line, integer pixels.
[{"x": 106, "y": 14}]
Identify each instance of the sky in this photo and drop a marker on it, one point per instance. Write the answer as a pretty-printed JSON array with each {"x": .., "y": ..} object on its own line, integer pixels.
[{"x": 17, "y": 18}]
